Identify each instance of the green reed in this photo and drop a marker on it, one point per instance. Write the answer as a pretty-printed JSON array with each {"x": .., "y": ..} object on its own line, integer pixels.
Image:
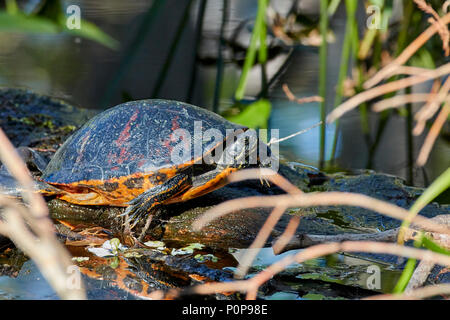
[
  {"x": 220, "y": 62},
  {"x": 350, "y": 29},
  {"x": 145, "y": 26},
  {"x": 172, "y": 50},
  {"x": 323, "y": 77},
  {"x": 258, "y": 35},
  {"x": 198, "y": 39}
]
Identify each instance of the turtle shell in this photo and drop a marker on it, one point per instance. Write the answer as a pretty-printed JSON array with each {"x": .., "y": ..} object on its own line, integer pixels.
[{"x": 137, "y": 137}]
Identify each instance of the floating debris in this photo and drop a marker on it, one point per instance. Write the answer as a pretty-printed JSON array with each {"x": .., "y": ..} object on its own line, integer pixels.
[
  {"x": 187, "y": 250},
  {"x": 109, "y": 248},
  {"x": 158, "y": 245},
  {"x": 206, "y": 257},
  {"x": 80, "y": 259}
]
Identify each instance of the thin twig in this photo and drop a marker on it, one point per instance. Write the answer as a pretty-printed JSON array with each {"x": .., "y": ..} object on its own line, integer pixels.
[
  {"x": 432, "y": 106},
  {"x": 267, "y": 174},
  {"x": 259, "y": 241},
  {"x": 421, "y": 293},
  {"x": 283, "y": 240},
  {"x": 317, "y": 199},
  {"x": 420, "y": 126},
  {"x": 406, "y": 54},
  {"x": 273, "y": 218},
  {"x": 39, "y": 243},
  {"x": 432, "y": 135},
  {"x": 272, "y": 141},
  {"x": 443, "y": 31},
  {"x": 292, "y": 97},
  {"x": 399, "y": 101},
  {"x": 386, "y": 88}
]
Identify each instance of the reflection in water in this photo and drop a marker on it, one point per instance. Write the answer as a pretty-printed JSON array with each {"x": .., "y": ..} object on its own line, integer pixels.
[
  {"x": 81, "y": 71},
  {"x": 29, "y": 285}
]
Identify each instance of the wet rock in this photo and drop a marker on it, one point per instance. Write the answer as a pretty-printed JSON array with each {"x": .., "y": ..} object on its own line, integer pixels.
[
  {"x": 41, "y": 122},
  {"x": 33, "y": 120},
  {"x": 381, "y": 186}
]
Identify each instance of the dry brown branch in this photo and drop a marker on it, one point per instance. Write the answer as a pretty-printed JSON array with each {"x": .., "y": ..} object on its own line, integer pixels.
[
  {"x": 419, "y": 276},
  {"x": 260, "y": 241},
  {"x": 420, "y": 126},
  {"x": 266, "y": 174},
  {"x": 48, "y": 254},
  {"x": 432, "y": 135},
  {"x": 273, "y": 218},
  {"x": 410, "y": 70},
  {"x": 445, "y": 6},
  {"x": 282, "y": 241},
  {"x": 386, "y": 88},
  {"x": 443, "y": 31},
  {"x": 317, "y": 199},
  {"x": 399, "y": 101},
  {"x": 421, "y": 293},
  {"x": 292, "y": 97},
  {"x": 430, "y": 109},
  {"x": 304, "y": 200},
  {"x": 17, "y": 168},
  {"x": 251, "y": 285},
  {"x": 32, "y": 231},
  {"x": 301, "y": 241},
  {"x": 388, "y": 70},
  {"x": 348, "y": 246}
]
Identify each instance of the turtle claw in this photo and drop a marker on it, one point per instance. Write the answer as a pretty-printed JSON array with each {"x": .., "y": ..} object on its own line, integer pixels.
[
  {"x": 137, "y": 209},
  {"x": 264, "y": 182},
  {"x": 134, "y": 213}
]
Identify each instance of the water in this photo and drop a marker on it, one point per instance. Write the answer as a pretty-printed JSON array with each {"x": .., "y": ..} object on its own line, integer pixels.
[
  {"x": 336, "y": 269},
  {"x": 81, "y": 71},
  {"x": 29, "y": 285}
]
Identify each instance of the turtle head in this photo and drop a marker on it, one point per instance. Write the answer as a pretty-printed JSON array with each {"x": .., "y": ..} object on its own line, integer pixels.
[{"x": 240, "y": 152}]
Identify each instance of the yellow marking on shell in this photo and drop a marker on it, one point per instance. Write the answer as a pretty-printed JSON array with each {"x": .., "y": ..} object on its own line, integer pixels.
[{"x": 98, "y": 196}]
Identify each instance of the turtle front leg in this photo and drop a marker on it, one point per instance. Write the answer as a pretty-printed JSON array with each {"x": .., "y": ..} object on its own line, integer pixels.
[
  {"x": 152, "y": 198},
  {"x": 209, "y": 182}
]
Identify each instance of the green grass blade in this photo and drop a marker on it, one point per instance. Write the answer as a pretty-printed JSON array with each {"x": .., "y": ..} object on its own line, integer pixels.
[
  {"x": 406, "y": 276},
  {"x": 11, "y": 6},
  {"x": 332, "y": 7},
  {"x": 433, "y": 246},
  {"x": 254, "y": 115},
  {"x": 251, "y": 51},
  {"x": 90, "y": 31},
  {"x": 22, "y": 23},
  {"x": 436, "y": 188},
  {"x": 351, "y": 7}
]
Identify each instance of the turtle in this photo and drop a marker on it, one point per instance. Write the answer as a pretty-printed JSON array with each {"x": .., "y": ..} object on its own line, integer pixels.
[{"x": 139, "y": 155}]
